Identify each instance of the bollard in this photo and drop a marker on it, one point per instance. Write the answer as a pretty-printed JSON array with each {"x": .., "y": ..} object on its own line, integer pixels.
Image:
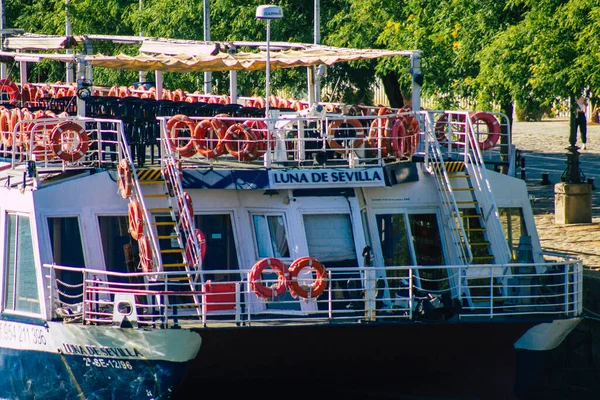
[{"x": 545, "y": 180}]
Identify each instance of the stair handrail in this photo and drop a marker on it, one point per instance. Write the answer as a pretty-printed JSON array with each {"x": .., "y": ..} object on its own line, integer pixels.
[
  {"x": 124, "y": 153},
  {"x": 434, "y": 164},
  {"x": 169, "y": 163},
  {"x": 474, "y": 163}
]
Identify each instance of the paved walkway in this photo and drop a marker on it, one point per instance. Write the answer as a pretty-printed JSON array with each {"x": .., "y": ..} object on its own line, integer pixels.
[{"x": 543, "y": 145}]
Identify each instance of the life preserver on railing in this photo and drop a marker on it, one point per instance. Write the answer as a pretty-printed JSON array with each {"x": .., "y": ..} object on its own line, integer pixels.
[
  {"x": 208, "y": 137},
  {"x": 174, "y": 125},
  {"x": 339, "y": 131},
  {"x": 241, "y": 142},
  {"x": 266, "y": 139},
  {"x": 390, "y": 132},
  {"x": 192, "y": 258},
  {"x": 136, "y": 219},
  {"x": 319, "y": 285},
  {"x": 493, "y": 127},
  {"x": 76, "y": 144},
  {"x": 184, "y": 202},
  {"x": 256, "y": 281},
  {"x": 409, "y": 137},
  {"x": 259, "y": 102},
  {"x": 442, "y": 130},
  {"x": 7, "y": 134},
  {"x": 11, "y": 89},
  {"x": 145, "y": 253},
  {"x": 125, "y": 178}
]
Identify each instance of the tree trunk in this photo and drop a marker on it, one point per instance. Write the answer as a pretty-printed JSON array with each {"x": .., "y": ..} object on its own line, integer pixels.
[{"x": 392, "y": 90}]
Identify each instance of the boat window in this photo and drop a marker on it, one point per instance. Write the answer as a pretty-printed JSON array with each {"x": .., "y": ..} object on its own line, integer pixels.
[
  {"x": 67, "y": 250},
  {"x": 271, "y": 237},
  {"x": 330, "y": 240},
  {"x": 116, "y": 246},
  {"x": 221, "y": 253},
  {"x": 514, "y": 227},
  {"x": 21, "y": 290}
]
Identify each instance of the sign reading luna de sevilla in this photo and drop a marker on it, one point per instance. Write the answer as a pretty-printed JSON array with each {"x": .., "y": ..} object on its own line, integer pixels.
[{"x": 320, "y": 178}]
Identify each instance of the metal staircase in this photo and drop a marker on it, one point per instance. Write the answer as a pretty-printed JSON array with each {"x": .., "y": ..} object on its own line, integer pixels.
[
  {"x": 161, "y": 212},
  {"x": 475, "y": 227}
]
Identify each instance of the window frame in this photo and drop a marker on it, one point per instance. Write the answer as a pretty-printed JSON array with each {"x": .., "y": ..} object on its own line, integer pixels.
[
  {"x": 35, "y": 260},
  {"x": 267, "y": 214}
]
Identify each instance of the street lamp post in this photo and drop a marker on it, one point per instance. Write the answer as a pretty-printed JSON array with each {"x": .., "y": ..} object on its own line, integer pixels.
[{"x": 268, "y": 12}]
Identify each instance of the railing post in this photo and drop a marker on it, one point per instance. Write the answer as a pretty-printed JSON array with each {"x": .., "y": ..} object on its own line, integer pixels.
[
  {"x": 411, "y": 297},
  {"x": 84, "y": 294}
]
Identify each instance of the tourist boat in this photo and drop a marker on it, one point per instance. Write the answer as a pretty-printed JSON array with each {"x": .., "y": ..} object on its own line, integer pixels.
[{"x": 312, "y": 246}]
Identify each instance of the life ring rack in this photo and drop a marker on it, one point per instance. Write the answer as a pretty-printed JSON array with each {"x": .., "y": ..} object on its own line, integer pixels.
[{"x": 256, "y": 282}]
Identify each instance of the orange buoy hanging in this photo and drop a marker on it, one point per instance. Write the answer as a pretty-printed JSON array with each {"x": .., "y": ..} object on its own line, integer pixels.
[
  {"x": 174, "y": 125},
  {"x": 209, "y": 134},
  {"x": 409, "y": 137},
  {"x": 69, "y": 141},
  {"x": 493, "y": 127},
  {"x": 266, "y": 139},
  {"x": 7, "y": 134},
  {"x": 125, "y": 178},
  {"x": 241, "y": 142},
  {"x": 136, "y": 219},
  {"x": 167, "y": 175},
  {"x": 11, "y": 90},
  {"x": 257, "y": 283},
  {"x": 192, "y": 258},
  {"x": 318, "y": 286},
  {"x": 186, "y": 208},
  {"x": 340, "y": 129},
  {"x": 145, "y": 253}
]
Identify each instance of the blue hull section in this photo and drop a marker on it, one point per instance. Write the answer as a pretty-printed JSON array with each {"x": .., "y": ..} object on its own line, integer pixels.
[{"x": 48, "y": 376}]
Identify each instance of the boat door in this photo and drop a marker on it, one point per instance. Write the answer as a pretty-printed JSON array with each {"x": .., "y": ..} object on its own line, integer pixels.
[{"x": 408, "y": 239}]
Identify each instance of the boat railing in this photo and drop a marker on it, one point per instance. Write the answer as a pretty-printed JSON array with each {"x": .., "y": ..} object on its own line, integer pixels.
[
  {"x": 64, "y": 143},
  {"x": 376, "y": 294}
]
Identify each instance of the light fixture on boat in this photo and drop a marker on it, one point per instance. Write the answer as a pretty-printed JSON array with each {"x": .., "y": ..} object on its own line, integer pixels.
[{"x": 268, "y": 12}]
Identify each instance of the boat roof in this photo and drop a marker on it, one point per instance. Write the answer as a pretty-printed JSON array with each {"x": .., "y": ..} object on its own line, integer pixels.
[{"x": 175, "y": 55}]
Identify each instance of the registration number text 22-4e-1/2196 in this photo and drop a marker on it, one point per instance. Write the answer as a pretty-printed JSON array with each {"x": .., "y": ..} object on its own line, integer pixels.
[{"x": 107, "y": 363}]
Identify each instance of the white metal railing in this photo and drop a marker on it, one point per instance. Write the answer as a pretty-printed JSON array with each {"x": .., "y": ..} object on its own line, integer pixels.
[{"x": 352, "y": 295}]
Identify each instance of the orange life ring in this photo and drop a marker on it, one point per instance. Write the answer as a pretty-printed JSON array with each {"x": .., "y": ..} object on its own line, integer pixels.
[
  {"x": 266, "y": 139},
  {"x": 184, "y": 202},
  {"x": 136, "y": 219},
  {"x": 256, "y": 281},
  {"x": 241, "y": 142},
  {"x": 314, "y": 290},
  {"x": 145, "y": 253},
  {"x": 174, "y": 125},
  {"x": 339, "y": 143},
  {"x": 442, "y": 128},
  {"x": 493, "y": 127},
  {"x": 409, "y": 136},
  {"x": 7, "y": 135},
  {"x": 11, "y": 89},
  {"x": 206, "y": 133},
  {"x": 125, "y": 178},
  {"x": 192, "y": 258},
  {"x": 259, "y": 102},
  {"x": 61, "y": 148}
]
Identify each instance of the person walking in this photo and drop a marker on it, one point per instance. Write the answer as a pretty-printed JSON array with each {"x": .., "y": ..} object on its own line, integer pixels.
[{"x": 580, "y": 123}]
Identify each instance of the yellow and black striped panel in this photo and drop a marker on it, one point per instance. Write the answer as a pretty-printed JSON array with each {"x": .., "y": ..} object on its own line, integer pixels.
[
  {"x": 455, "y": 166},
  {"x": 146, "y": 174}
]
